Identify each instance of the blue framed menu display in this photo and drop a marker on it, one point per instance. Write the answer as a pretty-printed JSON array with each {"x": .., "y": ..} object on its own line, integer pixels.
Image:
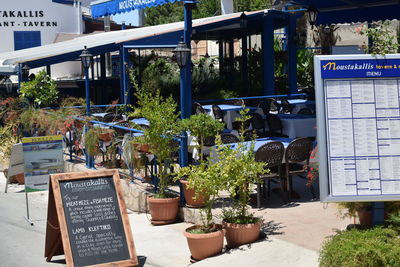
[{"x": 358, "y": 124}]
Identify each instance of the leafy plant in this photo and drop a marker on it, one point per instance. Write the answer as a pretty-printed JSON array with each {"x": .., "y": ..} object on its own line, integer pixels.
[
  {"x": 383, "y": 39},
  {"x": 374, "y": 248},
  {"x": 239, "y": 170},
  {"x": 201, "y": 126},
  {"x": 92, "y": 138},
  {"x": 204, "y": 178},
  {"x": 163, "y": 119},
  {"x": 42, "y": 90}
]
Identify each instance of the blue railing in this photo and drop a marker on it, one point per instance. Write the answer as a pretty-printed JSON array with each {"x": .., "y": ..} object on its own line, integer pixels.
[{"x": 252, "y": 98}]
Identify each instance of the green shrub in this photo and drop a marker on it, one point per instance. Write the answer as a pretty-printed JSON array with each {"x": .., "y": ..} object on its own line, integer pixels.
[
  {"x": 42, "y": 90},
  {"x": 377, "y": 247}
]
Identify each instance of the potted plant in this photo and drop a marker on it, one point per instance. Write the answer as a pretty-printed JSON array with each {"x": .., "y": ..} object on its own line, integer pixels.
[
  {"x": 199, "y": 126},
  {"x": 92, "y": 138},
  {"x": 162, "y": 116},
  {"x": 207, "y": 239},
  {"x": 239, "y": 169}
]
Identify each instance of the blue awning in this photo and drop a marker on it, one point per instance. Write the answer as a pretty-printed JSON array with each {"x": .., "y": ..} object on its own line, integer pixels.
[
  {"x": 347, "y": 11},
  {"x": 112, "y": 7}
]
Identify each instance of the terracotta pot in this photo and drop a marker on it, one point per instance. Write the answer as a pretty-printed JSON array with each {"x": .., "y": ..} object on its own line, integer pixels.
[
  {"x": 365, "y": 217},
  {"x": 20, "y": 178},
  {"x": 202, "y": 246},
  {"x": 199, "y": 202},
  {"x": 142, "y": 147},
  {"x": 163, "y": 210},
  {"x": 106, "y": 136},
  {"x": 240, "y": 234}
]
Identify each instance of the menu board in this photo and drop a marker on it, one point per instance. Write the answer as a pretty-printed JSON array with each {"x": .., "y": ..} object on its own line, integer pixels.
[
  {"x": 359, "y": 110},
  {"x": 96, "y": 226}
]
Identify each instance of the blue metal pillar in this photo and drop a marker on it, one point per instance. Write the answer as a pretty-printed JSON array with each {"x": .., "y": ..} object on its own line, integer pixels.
[
  {"x": 231, "y": 65},
  {"x": 292, "y": 55},
  {"x": 268, "y": 55},
  {"x": 122, "y": 74},
  {"x": 186, "y": 87},
  {"x": 221, "y": 55},
  {"x": 127, "y": 86},
  {"x": 245, "y": 68},
  {"x": 19, "y": 76},
  {"x": 89, "y": 159},
  {"x": 378, "y": 213}
]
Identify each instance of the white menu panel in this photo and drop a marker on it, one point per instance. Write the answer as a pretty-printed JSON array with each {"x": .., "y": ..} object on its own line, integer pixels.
[{"x": 363, "y": 135}]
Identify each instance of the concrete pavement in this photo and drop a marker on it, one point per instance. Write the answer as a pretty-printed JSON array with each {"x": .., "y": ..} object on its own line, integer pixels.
[{"x": 23, "y": 245}]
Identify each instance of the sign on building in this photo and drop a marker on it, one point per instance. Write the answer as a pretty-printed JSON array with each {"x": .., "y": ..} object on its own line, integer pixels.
[{"x": 358, "y": 120}]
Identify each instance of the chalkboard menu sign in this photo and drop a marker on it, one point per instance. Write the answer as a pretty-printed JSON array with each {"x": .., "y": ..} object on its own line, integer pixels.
[{"x": 92, "y": 218}]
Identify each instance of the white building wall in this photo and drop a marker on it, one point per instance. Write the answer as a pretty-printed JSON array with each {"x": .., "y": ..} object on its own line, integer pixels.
[{"x": 36, "y": 15}]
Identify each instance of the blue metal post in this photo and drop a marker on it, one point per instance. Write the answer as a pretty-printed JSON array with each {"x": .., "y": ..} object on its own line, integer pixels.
[
  {"x": 268, "y": 55},
  {"x": 378, "y": 213},
  {"x": 292, "y": 55},
  {"x": 89, "y": 159},
  {"x": 186, "y": 88},
  {"x": 231, "y": 61},
  {"x": 19, "y": 76},
  {"x": 122, "y": 74},
  {"x": 245, "y": 69}
]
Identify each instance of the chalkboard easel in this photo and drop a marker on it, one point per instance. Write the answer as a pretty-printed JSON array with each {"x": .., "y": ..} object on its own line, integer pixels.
[{"x": 87, "y": 220}]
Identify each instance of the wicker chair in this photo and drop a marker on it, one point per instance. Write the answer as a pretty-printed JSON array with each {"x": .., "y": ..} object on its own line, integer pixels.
[
  {"x": 305, "y": 111},
  {"x": 258, "y": 124},
  {"x": 272, "y": 154},
  {"x": 274, "y": 126},
  {"x": 249, "y": 135},
  {"x": 297, "y": 158},
  {"x": 286, "y": 106},
  {"x": 268, "y": 105},
  {"x": 217, "y": 112},
  {"x": 198, "y": 108},
  {"x": 228, "y": 138}
]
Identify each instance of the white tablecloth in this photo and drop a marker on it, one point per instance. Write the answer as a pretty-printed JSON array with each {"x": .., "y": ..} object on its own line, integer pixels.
[
  {"x": 230, "y": 112},
  {"x": 299, "y": 104},
  {"x": 298, "y": 126}
]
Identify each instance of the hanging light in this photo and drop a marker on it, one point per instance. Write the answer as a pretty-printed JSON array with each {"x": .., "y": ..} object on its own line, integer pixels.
[
  {"x": 86, "y": 58},
  {"x": 312, "y": 15},
  {"x": 9, "y": 85},
  {"x": 182, "y": 54}
]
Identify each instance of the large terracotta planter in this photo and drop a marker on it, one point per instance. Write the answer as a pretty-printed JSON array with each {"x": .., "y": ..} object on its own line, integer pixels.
[
  {"x": 199, "y": 202},
  {"x": 240, "y": 234},
  {"x": 106, "y": 136},
  {"x": 163, "y": 210},
  {"x": 202, "y": 246}
]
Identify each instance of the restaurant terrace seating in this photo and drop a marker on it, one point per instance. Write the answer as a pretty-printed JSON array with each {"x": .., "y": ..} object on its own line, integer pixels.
[
  {"x": 297, "y": 158},
  {"x": 274, "y": 126},
  {"x": 272, "y": 154}
]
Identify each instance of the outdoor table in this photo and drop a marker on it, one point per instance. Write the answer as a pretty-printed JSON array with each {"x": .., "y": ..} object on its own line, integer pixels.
[
  {"x": 299, "y": 104},
  {"x": 295, "y": 125},
  {"x": 230, "y": 112}
]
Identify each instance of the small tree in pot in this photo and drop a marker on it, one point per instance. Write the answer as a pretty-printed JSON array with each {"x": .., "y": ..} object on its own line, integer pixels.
[
  {"x": 163, "y": 119},
  {"x": 207, "y": 239},
  {"x": 239, "y": 170},
  {"x": 200, "y": 126}
]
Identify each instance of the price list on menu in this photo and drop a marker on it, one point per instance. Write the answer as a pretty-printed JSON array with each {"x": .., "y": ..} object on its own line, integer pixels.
[{"x": 363, "y": 136}]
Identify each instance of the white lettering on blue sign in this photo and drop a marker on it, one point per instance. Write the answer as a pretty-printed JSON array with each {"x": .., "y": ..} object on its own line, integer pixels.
[{"x": 129, "y": 4}]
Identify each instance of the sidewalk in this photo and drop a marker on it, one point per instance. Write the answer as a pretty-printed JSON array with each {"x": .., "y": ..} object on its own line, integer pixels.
[{"x": 23, "y": 245}]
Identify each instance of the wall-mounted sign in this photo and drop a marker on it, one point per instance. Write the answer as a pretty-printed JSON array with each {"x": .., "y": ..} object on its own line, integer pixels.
[
  {"x": 358, "y": 116},
  {"x": 107, "y": 8},
  {"x": 24, "y": 18},
  {"x": 87, "y": 220},
  {"x": 42, "y": 156}
]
